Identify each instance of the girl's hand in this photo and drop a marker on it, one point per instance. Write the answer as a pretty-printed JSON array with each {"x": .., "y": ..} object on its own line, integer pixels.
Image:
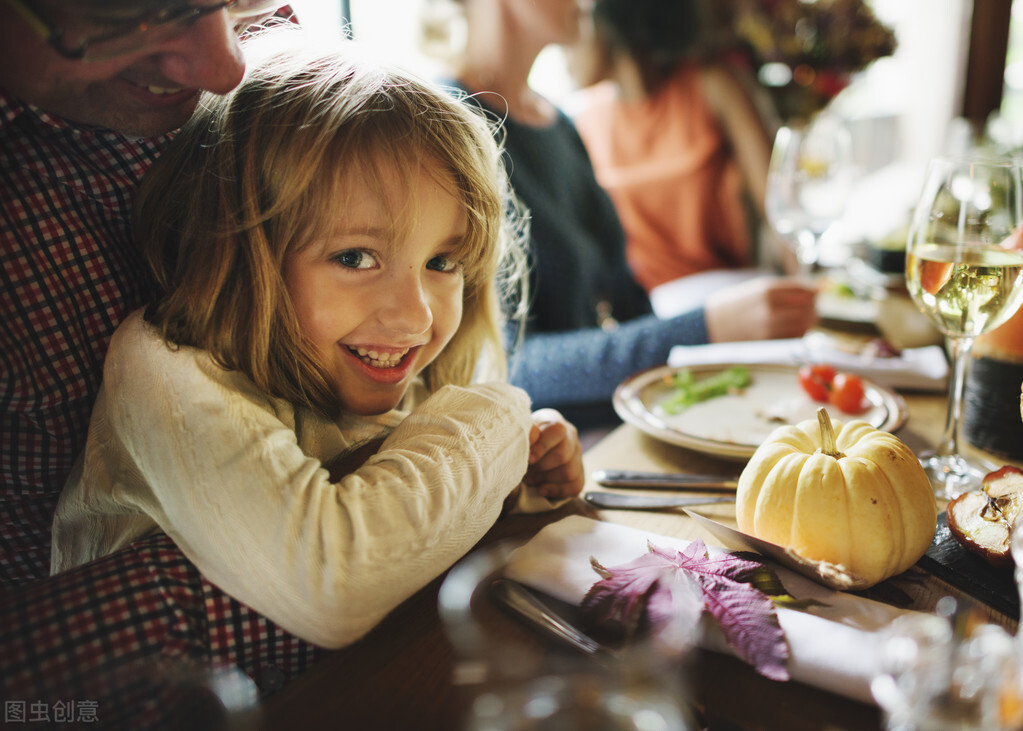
[{"x": 555, "y": 456}]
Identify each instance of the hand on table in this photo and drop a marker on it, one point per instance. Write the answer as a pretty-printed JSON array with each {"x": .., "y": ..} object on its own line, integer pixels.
[
  {"x": 555, "y": 456},
  {"x": 761, "y": 309}
]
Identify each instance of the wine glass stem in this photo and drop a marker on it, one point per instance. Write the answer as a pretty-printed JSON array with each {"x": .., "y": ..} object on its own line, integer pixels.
[
  {"x": 959, "y": 351},
  {"x": 806, "y": 252}
]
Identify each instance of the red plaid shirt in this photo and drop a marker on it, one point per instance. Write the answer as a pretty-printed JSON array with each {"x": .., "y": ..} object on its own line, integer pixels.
[
  {"x": 70, "y": 274},
  {"x": 126, "y": 642},
  {"x": 125, "y": 636}
]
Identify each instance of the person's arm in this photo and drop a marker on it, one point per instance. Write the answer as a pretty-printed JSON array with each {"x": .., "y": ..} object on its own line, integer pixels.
[
  {"x": 224, "y": 476},
  {"x": 743, "y": 127},
  {"x": 584, "y": 367}
]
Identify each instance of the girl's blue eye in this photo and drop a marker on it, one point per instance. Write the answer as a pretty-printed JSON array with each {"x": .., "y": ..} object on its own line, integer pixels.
[
  {"x": 442, "y": 264},
  {"x": 354, "y": 259}
]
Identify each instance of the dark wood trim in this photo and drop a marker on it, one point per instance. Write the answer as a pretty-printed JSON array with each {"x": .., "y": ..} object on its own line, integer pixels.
[{"x": 985, "y": 67}]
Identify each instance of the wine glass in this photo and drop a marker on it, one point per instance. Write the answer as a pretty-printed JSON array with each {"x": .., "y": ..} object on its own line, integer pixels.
[
  {"x": 964, "y": 270},
  {"x": 509, "y": 686},
  {"x": 809, "y": 179}
]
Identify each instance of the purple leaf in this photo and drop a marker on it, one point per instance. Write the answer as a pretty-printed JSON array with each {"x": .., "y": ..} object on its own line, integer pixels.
[{"x": 643, "y": 591}]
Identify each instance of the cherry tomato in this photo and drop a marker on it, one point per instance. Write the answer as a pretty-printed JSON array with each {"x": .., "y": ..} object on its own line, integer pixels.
[
  {"x": 815, "y": 378},
  {"x": 847, "y": 393}
]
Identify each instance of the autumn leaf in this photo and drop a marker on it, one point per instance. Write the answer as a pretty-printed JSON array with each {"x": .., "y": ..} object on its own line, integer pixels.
[{"x": 732, "y": 588}]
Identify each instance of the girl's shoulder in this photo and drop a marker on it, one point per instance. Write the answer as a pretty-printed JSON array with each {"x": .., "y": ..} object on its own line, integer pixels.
[
  {"x": 138, "y": 343},
  {"x": 141, "y": 362}
]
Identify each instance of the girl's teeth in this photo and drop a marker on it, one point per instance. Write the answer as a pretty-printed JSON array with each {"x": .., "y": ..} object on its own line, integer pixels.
[
  {"x": 379, "y": 360},
  {"x": 162, "y": 90}
]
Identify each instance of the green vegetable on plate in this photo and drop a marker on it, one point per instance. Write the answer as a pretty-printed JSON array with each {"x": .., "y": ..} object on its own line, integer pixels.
[{"x": 689, "y": 390}]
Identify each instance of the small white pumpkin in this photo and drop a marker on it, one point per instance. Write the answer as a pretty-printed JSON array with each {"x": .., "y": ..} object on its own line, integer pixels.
[{"x": 847, "y": 494}]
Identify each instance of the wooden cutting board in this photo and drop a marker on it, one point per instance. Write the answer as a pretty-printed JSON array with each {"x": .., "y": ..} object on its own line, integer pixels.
[{"x": 949, "y": 561}]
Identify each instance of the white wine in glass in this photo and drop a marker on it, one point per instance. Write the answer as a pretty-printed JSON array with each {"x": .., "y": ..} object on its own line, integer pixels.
[
  {"x": 809, "y": 181},
  {"x": 964, "y": 270}
]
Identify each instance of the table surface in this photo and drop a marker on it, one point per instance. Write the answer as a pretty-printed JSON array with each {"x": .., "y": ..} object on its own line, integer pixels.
[{"x": 402, "y": 675}]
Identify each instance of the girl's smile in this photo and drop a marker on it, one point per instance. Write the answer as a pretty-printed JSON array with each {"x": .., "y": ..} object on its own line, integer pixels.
[
  {"x": 380, "y": 294},
  {"x": 383, "y": 365}
]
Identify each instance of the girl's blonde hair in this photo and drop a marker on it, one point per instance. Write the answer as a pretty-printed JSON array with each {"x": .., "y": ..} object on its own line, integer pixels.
[{"x": 261, "y": 171}]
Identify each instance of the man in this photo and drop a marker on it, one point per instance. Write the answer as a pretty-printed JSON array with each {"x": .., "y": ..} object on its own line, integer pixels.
[{"x": 89, "y": 90}]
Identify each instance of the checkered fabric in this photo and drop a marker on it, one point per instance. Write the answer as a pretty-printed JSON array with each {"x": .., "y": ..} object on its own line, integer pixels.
[
  {"x": 70, "y": 274},
  {"x": 135, "y": 639}
]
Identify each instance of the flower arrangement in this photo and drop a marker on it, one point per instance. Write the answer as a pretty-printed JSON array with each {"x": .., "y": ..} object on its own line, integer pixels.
[{"x": 803, "y": 52}]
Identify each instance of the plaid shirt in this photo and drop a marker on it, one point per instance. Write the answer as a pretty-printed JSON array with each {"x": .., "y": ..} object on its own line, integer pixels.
[
  {"x": 130, "y": 640},
  {"x": 127, "y": 637},
  {"x": 70, "y": 274}
]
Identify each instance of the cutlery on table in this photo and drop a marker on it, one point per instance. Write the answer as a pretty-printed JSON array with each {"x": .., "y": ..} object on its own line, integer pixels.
[
  {"x": 530, "y": 607},
  {"x": 615, "y": 501},
  {"x": 830, "y": 575},
  {"x": 663, "y": 480},
  {"x": 527, "y": 605}
]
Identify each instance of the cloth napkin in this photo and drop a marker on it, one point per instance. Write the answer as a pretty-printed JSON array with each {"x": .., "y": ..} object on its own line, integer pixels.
[
  {"x": 923, "y": 369},
  {"x": 835, "y": 647}
]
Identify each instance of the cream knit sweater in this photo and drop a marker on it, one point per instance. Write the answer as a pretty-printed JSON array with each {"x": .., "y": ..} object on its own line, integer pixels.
[{"x": 236, "y": 479}]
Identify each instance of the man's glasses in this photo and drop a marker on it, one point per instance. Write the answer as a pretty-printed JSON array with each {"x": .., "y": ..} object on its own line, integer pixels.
[{"x": 125, "y": 37}]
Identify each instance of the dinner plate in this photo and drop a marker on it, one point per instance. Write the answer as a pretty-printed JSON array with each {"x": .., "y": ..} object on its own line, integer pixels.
[{"x": 734, "y": 425}]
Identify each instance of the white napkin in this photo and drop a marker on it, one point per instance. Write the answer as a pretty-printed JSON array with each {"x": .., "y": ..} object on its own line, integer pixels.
[
  {"x": 835, "y": 647},
  {"x": 924, "y": 369}
]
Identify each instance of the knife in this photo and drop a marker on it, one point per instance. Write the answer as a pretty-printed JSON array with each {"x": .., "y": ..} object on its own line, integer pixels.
[
  {"x": 830, "y": 575},
  {"x": 663, "y": 480},
  {"x": 614, "y": 501},
  {"x": 529, "y": 606}
]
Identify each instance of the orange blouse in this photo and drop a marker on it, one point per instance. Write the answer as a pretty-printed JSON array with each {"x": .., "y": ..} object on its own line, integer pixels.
[{"x": 670, "y": 172}]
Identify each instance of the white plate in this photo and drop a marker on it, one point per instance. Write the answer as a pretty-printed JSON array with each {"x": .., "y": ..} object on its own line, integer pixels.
[{"x": 734, "y": 425}]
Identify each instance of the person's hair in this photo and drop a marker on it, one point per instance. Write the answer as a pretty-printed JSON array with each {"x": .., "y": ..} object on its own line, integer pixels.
[
  {"x": 260, "y": 172},
  {"x": 658, "y": 34}
]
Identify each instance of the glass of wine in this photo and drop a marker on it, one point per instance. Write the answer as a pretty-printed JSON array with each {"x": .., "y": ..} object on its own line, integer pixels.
[
  {"x": 964, "y": 270},
  {"x": 809, "y": 180}
]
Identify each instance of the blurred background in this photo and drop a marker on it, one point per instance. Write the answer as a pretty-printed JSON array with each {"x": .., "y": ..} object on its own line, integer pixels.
[{"x": 911, "y": 78}]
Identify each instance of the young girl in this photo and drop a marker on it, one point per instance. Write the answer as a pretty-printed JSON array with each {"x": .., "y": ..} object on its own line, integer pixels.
[{"x": 326, "y": 243}]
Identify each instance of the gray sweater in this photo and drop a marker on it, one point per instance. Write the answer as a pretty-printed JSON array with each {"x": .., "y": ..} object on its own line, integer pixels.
[{"x": 567, "y": 361}]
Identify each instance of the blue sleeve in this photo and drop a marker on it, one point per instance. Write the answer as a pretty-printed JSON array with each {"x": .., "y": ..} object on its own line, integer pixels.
[{"x": 583, "y": 367}]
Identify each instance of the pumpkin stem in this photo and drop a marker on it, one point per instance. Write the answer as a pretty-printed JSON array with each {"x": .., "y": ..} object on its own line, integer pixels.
[{"x": 828, "y": 444}]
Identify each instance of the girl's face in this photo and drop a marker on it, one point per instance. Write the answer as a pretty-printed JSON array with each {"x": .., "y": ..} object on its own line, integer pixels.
[{"x": 379, "y": 310}]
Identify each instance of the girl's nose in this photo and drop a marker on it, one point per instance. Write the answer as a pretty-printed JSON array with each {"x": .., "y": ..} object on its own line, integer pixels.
[
  {"x": 206, "y": 56},
  {"x": 405, "y": 307}
]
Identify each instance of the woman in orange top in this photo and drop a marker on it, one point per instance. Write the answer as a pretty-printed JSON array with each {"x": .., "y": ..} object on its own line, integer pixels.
[{"x": 680, "y": 145}]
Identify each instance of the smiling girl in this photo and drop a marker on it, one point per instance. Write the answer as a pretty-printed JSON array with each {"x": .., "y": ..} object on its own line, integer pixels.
[{"x": 327, "y": 242}]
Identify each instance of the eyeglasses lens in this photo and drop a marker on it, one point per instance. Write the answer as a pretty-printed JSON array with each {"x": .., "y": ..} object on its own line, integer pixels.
[{"x": 170, "y": 23}]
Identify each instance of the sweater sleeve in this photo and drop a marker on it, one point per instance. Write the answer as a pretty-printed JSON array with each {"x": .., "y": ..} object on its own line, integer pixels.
[
  {"x": 211, "y": 462},
  {"x": 583, "y": 367}
]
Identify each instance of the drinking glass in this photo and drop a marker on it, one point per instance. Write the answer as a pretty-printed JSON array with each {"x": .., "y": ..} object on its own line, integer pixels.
[
  {"x": 508, "y": 686},
  {"x": 934, "y": 675},
  {"x": 809, "y": 180},
  {"x": 964, "y": 269}
]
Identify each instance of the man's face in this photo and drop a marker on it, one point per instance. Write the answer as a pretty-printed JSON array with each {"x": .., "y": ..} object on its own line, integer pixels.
[{"x": 149, "y": 92}]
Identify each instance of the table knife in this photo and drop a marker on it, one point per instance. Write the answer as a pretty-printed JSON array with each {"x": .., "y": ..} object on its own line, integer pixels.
[
  {"x": 615, "y": 501},
  {"x": 663, "y": 480},
  {"x": 529, "y": 606}
]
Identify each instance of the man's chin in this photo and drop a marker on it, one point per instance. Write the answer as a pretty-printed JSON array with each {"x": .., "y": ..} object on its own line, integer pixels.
[
  {"x": 134, "y": 120},
  {"x": 154, "y": 124}
]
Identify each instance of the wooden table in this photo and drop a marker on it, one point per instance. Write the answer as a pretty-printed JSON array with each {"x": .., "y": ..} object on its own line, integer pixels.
[{"x": 401, "y": 675}]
